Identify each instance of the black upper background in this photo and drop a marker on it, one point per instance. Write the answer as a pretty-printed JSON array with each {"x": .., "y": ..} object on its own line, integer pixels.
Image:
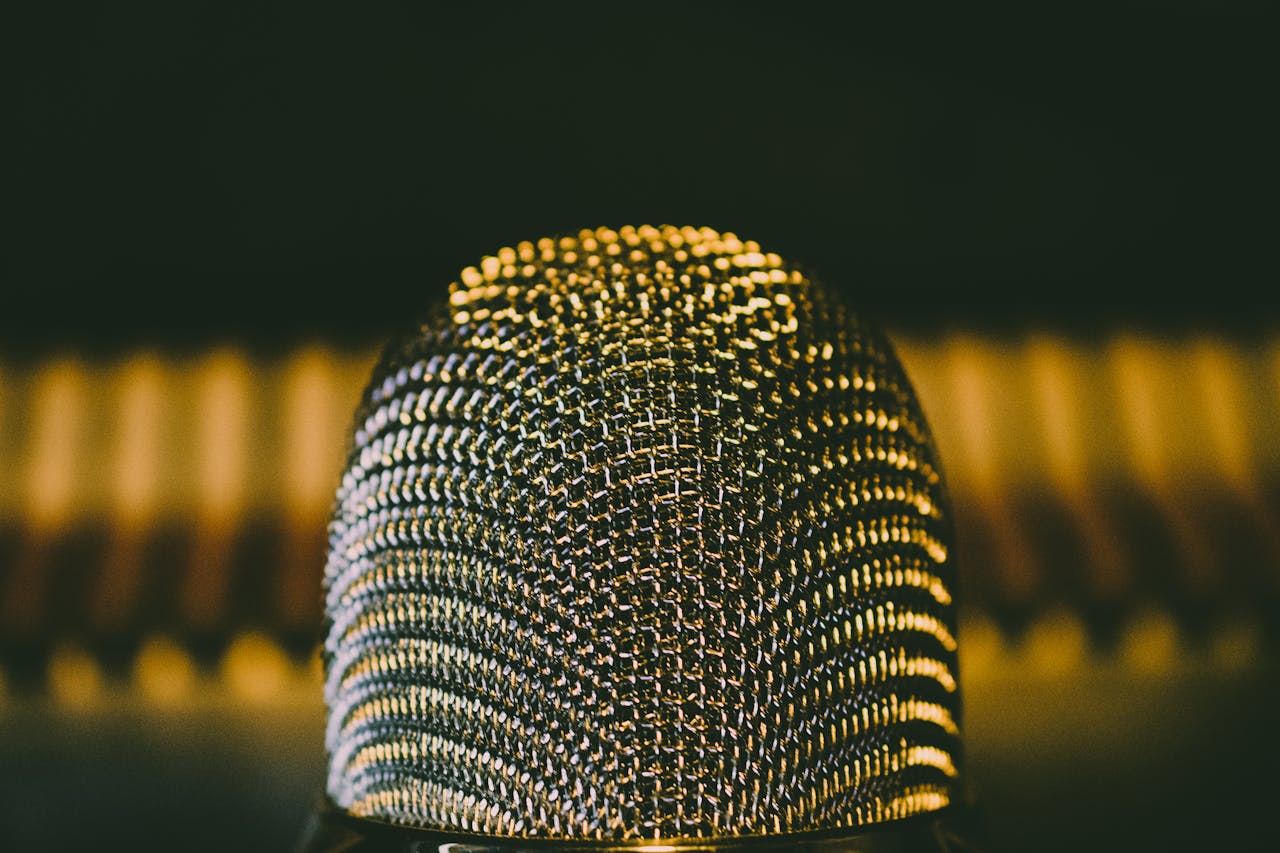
[{"x": 178, "y": 174}]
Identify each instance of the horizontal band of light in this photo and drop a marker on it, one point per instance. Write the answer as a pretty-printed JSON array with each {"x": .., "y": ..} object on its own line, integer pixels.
[
  {"x": 212, "y": 444},
  {"x": 255, "y": 668},
  {"x": 223, "y": 432}
]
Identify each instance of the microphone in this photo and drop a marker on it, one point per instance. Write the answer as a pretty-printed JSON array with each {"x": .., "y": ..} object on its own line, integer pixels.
[{"x": 642, "y": 544}]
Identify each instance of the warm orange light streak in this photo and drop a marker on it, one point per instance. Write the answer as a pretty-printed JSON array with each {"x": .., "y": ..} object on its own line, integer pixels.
[
  {"x": 1220, "y": 372},
  {"x": 1057, "y": 373},
  {"x": 47, "y": 483},
  {"x": 314, "y": 418},
  {"x": 56, "y": 443},
  {"x": 1218, "y": 369},
  {"x": 1055, "y": 382},
  {"x": 1144, "y": 376},
  {"x": 137, "y": 425},
  {"x": 1136, "y": 372},
  {"x": 222, "y": 453},
  {"x": 923, "y": 363},
  {"x": 222, "y": 450},
  {"x": 971, "y": 364},
  {"x": 141, "y": 397}
]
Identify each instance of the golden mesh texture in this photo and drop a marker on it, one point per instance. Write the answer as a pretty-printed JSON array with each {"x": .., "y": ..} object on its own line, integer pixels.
[{"x": 642, "y": 535}]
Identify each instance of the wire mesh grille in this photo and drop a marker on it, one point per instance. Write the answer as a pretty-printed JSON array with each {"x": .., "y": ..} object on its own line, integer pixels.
[{"x": 641, "y": 535}]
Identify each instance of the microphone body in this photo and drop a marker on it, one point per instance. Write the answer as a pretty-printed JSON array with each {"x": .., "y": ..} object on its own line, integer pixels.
[{"x": 643, "y": 543}]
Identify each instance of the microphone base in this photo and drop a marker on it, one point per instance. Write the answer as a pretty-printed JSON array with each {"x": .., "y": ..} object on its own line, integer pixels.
[{"x": 954, "y": 829}]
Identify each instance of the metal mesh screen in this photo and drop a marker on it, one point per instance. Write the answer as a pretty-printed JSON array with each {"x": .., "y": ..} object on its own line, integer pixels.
[{"x": 641, "y": 535}]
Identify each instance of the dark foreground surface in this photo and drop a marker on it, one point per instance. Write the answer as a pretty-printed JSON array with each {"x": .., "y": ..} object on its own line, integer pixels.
[{"x": 1159, "y": 747}]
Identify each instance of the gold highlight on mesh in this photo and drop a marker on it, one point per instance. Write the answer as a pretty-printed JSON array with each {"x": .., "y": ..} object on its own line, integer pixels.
[{"x": 641, "y": 535}]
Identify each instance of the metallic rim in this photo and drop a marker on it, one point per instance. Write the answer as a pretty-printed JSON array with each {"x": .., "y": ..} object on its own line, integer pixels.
[{"x": 950, "y": 830}]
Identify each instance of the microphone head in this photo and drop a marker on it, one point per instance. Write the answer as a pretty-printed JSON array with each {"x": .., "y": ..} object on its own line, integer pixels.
[{"x": 641, "y": 535}]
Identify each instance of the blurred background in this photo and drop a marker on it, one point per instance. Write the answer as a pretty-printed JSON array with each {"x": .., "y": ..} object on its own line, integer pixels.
[{"x": 214, "y": 215}]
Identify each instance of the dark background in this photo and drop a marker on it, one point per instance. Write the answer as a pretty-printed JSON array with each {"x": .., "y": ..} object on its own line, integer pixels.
[{"x": 185, "y": 173}]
